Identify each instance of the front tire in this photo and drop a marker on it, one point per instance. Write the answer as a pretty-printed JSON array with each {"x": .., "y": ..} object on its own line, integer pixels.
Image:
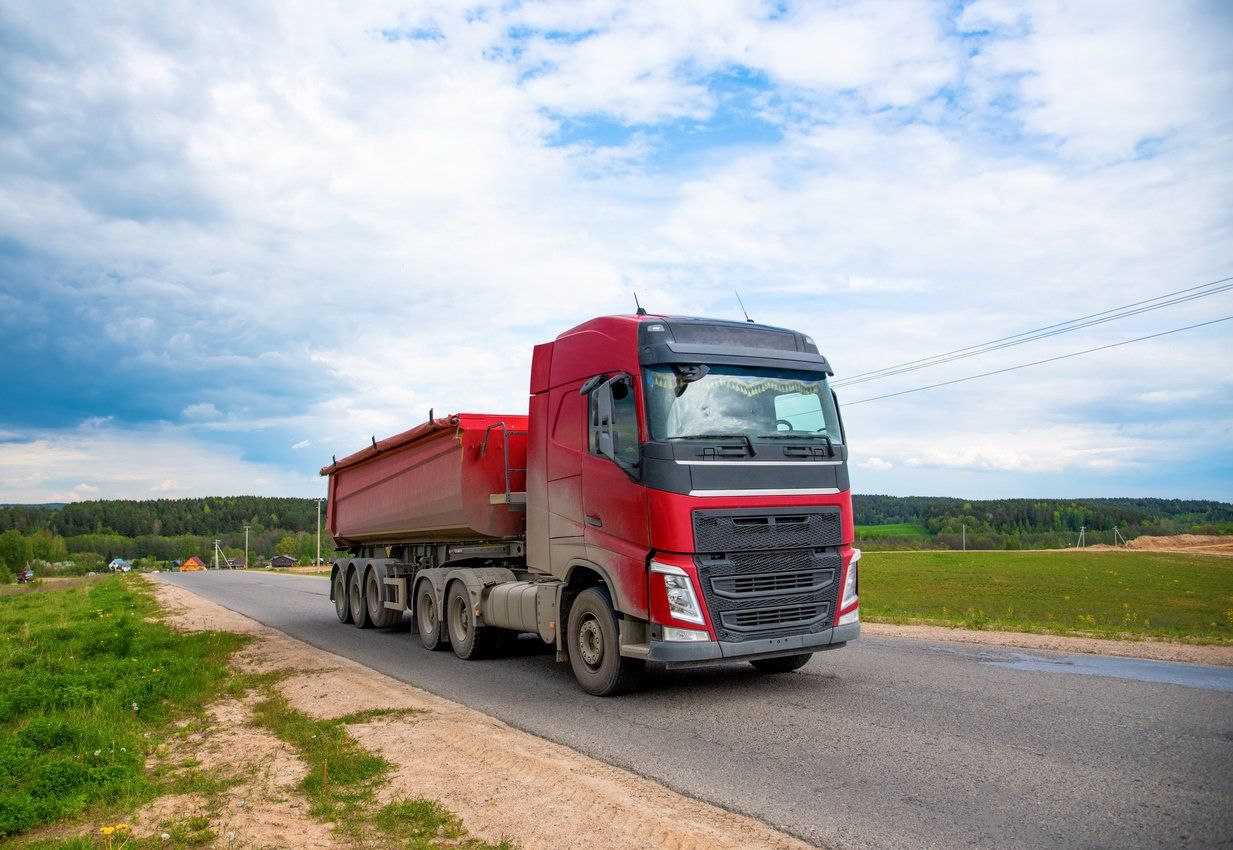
[
  {"x": 341, "y": 608},
  {"x": 355, "y": 598},
  {"x": 782, "y": 664},
  {"x": 431, "y": 633},
  {"x": 595, "y": 650}
]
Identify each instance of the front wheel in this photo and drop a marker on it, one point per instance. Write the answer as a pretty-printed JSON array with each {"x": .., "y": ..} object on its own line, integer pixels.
[
  {"x": 594, "y": 647},
  {"x": 782, "y": 664}
]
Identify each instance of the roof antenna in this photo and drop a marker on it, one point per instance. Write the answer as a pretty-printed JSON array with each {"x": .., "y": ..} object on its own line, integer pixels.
[
  {"x": 641, "y": 310},
  {"x": 742, "y": 303}
]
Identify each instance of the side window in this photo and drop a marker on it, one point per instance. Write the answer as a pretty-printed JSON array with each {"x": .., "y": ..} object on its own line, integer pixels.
[{"x": 624, "y": 424}]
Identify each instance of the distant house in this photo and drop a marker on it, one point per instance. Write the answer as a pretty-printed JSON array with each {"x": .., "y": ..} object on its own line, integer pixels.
[
  {"x": 237, "y": 563},
  {"x": 119, "y": 565},
  {"x": 282, "y": 561},
  {"x": 192, "y": 565}
]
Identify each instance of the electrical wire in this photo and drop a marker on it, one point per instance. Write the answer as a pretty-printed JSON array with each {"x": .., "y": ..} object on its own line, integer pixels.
[
  {"x": 1178, "y": 297},
  {"x": 1038, "y": 362}
]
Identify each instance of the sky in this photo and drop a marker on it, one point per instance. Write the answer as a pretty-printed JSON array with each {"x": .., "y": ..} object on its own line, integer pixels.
[{"x": 238, "y": 238}]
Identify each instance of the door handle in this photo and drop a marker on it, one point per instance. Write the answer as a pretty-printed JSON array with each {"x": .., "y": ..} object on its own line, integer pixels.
[{"x": 595, "y": 521}]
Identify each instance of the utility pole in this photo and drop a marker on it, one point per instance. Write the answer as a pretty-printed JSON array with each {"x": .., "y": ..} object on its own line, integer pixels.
[
  {"x": 246, "y": 527},
  {"x": 318, "y": 561},
  {"x": 965, "y": 537},
  {"x": 1082, "y": 529}
]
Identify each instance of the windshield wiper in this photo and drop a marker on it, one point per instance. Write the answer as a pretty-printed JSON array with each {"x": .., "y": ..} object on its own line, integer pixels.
[
  {"x": 745, "y": 437},
  {"x": 797, "y": 435}
]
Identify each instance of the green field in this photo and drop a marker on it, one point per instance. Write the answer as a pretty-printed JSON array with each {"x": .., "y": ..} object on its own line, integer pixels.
[
  {"x": 1139, "y": 595},
  {"x": 87, "y": 684},
  {"x": 897, "y": 529}
]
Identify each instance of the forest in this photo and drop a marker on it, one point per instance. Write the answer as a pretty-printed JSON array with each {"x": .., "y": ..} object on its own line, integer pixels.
[{"x": 89, "y": 534}]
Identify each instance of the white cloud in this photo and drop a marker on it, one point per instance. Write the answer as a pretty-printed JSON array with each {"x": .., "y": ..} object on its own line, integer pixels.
[{"x": 336, "y": 230}]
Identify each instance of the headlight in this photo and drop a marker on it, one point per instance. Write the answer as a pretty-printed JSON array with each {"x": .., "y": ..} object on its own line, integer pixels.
[
  {"x": 850, "y": 598},
  {"x": 682, "y": 601}
]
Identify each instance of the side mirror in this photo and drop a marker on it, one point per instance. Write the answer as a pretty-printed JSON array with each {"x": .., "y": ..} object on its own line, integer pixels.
[
  {"x": 591, "y": 383},
  {"x": 603, "y": 412}
]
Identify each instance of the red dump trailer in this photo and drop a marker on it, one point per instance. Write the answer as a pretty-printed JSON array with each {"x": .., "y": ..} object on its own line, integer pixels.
[{"x": 678, "y": 494}]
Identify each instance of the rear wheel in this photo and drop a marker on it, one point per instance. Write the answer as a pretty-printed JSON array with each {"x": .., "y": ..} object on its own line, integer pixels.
[
  {"x": 341, "y": 608},
  {"x": 470, "y": 641},
  {"x": 355, "y": 599},
  {"x": 594, "y": 647},
  {"x": 782, "y": 664},
  {"x": 431, "y": 633},
  {"x": 381, "y": 616}
]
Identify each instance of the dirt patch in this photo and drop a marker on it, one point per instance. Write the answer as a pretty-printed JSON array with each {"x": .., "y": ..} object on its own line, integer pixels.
[
  {"x": 1191, "y": 544},
  {"x": 501, "y": 781},
  {"x": 1221, "y": 656}
]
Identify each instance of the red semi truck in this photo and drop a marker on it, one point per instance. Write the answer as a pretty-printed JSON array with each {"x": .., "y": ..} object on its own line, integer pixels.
[{"x": 678, "y": 494}]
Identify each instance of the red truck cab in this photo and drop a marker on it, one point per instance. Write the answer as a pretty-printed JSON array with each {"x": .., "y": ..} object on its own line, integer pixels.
[{"x": 700, "y": 468}]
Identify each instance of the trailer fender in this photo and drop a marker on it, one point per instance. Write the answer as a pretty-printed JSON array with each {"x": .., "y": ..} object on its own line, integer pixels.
[{"x": 476, "y": 580}]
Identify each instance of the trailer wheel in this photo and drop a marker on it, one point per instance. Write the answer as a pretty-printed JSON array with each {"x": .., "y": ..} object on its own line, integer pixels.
[
  {"x": 782, "y": 664},
  {"x": 355, "y": 598},
  {"x": 381, "y": 616},
  {"x": 594, "y": 648},
  {"x": 341, "y": 608},
  {"x": 431, "y": 633},
  {"x": 470, "y": 641}
]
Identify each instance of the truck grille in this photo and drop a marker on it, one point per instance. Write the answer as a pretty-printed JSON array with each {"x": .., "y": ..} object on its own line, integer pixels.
[
  {"x": 755, "y": 529},
  {"x": 769, "y": 573}
]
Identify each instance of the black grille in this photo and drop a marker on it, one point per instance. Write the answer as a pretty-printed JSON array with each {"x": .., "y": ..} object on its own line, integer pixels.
[
  {"x": 754, "y": 595},
  {"x": 761, "y": 619},
  {"x": 787, "y": 528}
]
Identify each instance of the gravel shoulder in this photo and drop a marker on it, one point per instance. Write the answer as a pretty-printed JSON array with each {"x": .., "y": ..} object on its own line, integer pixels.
[{"x": 503, "y": 783}]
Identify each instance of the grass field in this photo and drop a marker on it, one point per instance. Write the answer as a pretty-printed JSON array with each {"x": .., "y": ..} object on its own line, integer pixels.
[
  {"x": 87, "y": 684},
  {"x": 898, "y": 529},
  {"x": 1140, "y": 595}
]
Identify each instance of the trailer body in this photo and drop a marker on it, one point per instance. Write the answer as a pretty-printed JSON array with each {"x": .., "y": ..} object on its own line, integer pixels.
[{"x": 677, "y": 493}]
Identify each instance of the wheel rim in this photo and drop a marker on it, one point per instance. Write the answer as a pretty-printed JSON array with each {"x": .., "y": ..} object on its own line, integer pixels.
[
  {"x": 374, "y": 596},
  {"x": 357, "y": 600},
  {"x": 340, "y": 596},
  {"x": 460, "y": 621},
  {"x": 591, "y": 643},
  {"x": 427, "y": 614}
]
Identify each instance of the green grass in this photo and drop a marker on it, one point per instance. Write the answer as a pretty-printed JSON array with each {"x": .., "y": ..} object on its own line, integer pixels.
[
  {"x": 87, "y": 687},
  {"x": 1139, "y": 595},
  {"x": 897, "y": 529}
]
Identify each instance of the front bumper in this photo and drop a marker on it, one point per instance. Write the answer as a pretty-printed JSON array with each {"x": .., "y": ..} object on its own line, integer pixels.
[{"x": 688, "y": 654}]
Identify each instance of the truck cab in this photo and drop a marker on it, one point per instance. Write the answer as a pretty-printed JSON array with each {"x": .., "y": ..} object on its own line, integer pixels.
[{"x": 692, "y": 472}]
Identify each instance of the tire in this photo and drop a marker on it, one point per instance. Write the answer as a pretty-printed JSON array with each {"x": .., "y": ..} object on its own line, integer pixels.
[
  {"x": 355, "y": 600},
  {"x": 594, "y": 647},
  {"x": 432, "y": 635},
  {"x": 341, "y": 607},
  {"x": 470, "y": 642},
  {"x": 782, "y": 664},
  {"x": 382, "y": 617}
]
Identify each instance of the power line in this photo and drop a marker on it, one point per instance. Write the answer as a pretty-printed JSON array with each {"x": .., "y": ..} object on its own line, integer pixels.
[
  {"x": 1178, "y": 297},
  {"x": 1039, "y": 362}
]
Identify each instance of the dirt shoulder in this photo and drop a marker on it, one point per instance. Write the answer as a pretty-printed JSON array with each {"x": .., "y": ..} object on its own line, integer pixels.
[
  {"x": 1221, "y": 656},
  {"x": 503, "y": 783}
]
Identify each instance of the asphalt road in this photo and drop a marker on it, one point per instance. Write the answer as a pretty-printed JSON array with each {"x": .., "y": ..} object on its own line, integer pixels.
[{"x": 885, "y": 743}]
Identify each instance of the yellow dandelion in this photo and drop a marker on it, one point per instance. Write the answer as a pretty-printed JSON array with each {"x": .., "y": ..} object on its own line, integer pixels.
[
  {"x": 120, "y": 827},
  {"x": 107, "y": 830}
]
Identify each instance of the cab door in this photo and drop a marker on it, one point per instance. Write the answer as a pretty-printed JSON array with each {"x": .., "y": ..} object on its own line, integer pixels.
[{"x": 614, "y": 501}]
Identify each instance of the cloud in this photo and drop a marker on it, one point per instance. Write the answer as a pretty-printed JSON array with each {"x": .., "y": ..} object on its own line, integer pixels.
[
  {"x": 268, "y": 232},
  {"x": 876, "y": 464}
]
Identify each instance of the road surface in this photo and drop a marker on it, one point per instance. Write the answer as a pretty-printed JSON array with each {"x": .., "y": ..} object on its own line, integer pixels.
[{"x": 886, "y": 743}]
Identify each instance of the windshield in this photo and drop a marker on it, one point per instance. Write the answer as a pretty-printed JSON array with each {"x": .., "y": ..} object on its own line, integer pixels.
[{"x": 686, "y": 401}]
